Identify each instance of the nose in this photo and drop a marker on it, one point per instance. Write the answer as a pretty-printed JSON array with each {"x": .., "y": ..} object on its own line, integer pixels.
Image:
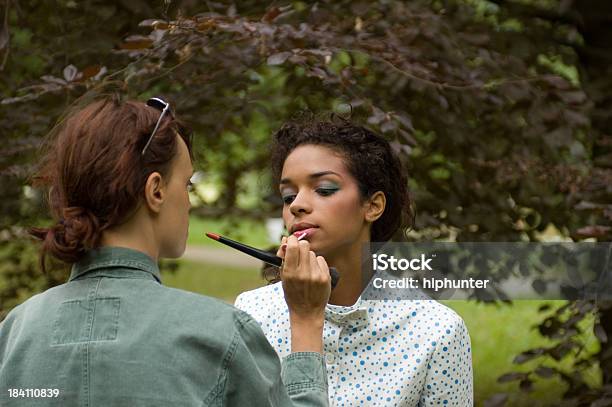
[{"x": 300, "y": 205}]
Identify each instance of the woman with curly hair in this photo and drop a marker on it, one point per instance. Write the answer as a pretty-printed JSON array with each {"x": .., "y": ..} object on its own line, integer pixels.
[{"x": 343, "y": 187}]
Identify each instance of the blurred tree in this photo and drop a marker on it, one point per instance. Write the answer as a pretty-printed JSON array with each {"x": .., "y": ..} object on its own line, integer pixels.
[
  {"x": 579, "y": 30},
  {"x": 499, "y": 108}
]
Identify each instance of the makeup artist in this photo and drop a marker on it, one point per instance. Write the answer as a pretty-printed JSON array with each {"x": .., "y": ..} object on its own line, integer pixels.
[{"x": 118, "y": 174}]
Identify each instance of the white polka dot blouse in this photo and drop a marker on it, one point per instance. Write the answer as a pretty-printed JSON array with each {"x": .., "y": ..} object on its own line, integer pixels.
[{"x": 380, "y": 352}]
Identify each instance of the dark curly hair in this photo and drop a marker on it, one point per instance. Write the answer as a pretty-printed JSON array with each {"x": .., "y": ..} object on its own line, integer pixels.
[{"x": 368, "y": 157}]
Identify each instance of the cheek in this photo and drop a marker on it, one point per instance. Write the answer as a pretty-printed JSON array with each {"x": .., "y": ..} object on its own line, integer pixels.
[
  {"x": 181, "y": 207},
  {"x": 344, "y": 215},
  {"x": 286, "y": 214},
  {"x": 347, "y": 206}
]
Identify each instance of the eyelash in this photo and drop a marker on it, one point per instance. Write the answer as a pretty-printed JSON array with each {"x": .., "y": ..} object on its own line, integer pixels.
[
  {"x": 190, "y": 186},
  {"x": 287, "y": 199}
]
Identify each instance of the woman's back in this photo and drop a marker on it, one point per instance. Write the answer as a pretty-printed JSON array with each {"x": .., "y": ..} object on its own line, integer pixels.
[{"x": 113, "y": 335}]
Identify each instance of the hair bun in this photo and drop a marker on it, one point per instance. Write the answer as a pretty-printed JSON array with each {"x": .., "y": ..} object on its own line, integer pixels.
[
  {"x": 80, "y": 225},
  {"x": 77, "y": 231}
]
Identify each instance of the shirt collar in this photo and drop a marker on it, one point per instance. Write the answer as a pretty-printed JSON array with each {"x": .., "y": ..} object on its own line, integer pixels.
[
  {"x": 113, "y": 262},
  {"x": 355, "y": 315}
]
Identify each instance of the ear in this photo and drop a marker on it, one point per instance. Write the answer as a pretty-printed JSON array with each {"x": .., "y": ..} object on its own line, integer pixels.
[
  {"x": 375, "y": 206},
  {"x": 155, "y": 192}
]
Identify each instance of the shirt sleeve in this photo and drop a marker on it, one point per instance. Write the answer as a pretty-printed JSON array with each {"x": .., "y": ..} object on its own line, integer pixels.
[
  {"x": 449, "y": 380},
  {"x": 256, "y": 377}
]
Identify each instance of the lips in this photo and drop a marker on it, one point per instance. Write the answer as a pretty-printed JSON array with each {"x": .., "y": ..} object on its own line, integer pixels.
[
  {"x": 302, "y": 234},
  {"x": 302, "y": 226}
]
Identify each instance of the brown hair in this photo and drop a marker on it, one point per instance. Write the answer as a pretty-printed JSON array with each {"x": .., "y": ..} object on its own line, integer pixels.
[{"x": 95, "y": 173}]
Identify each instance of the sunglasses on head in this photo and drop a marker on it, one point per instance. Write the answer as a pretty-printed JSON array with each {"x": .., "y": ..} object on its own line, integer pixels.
[{"x": 162, "y": 106}]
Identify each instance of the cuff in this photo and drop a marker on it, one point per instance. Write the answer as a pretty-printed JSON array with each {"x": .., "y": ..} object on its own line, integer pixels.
[{"x": 304, "y": 371}]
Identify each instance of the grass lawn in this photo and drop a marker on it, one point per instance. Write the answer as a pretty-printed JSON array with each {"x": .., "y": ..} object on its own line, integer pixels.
[
  {"x": 246, "y": 231},
  {"x": 498, "y": 333},
  {"x": 220, "y": 282}
]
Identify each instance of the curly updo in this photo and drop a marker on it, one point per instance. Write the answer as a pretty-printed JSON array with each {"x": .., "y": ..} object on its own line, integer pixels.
[{"x": 367, "y": 156}]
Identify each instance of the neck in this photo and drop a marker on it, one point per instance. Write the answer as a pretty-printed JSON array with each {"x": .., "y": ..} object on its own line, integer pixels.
[
  {"x": 134, "y": 234},
  {"x": 348, "y": 264}
]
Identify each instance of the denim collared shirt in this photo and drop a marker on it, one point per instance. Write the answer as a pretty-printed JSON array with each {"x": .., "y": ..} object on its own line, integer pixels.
[{"x": 113, "y": 335}]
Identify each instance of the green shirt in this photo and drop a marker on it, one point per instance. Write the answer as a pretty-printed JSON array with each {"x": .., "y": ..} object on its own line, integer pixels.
[{"x": 113, "y": 335}]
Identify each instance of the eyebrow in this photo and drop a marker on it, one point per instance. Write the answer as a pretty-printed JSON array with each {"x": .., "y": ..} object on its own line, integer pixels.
[{"x": 312, "y": 176}]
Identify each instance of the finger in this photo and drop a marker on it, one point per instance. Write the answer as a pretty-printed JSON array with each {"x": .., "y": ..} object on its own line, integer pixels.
[
  {"x": 323, "y": 267},
  {"x": 282, "y": 249},
  {"x": 304, "y": 260},
  {"x": 313, "y": 265},
  {"x": 292, "y": 255}
]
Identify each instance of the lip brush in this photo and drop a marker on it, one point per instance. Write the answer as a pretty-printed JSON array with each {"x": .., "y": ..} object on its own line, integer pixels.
[{"x": 265, "y": 256}]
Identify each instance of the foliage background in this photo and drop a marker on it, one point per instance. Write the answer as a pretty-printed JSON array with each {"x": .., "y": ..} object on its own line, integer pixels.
[{"x": 500, "y": 109}]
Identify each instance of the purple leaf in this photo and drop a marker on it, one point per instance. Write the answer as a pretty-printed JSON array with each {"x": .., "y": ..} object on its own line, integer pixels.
[
  {"x": 545, "y": 372},
  {"x": 279, "y": 58},
  {"x": 510, "y": 377},
  {"x": 601, "y": 334}
]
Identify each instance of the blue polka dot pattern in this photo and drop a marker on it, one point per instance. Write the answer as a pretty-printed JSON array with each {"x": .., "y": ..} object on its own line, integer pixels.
[{"x": 380, "y": 353}]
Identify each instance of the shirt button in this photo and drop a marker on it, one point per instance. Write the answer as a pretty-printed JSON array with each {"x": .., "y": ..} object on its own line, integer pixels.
[{"x": 329, "y": 358}]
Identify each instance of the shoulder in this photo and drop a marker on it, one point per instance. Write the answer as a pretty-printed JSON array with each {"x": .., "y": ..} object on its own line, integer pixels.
[
  {"x": 192, "y": 307},
  {"x": 446, "y": 325},
  {"x": 28, "y": 307},
  {"x": 216, "y": 323},
  {"x": 427, "y": 318},
  {"x": 443, "y": 317},
  {"x": 426, "y": 309},
  {"x": 434, "y": 307},
  {"x": 183, "y": 298}
]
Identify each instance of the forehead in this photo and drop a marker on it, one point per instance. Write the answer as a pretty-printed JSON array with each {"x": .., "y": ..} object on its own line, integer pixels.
[{"x": 310, "y": 158}]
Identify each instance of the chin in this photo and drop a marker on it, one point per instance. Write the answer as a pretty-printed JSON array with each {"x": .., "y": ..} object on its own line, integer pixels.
[
  {"x": 320, "y": 250},
  {"x": 327, "y": 249}
]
